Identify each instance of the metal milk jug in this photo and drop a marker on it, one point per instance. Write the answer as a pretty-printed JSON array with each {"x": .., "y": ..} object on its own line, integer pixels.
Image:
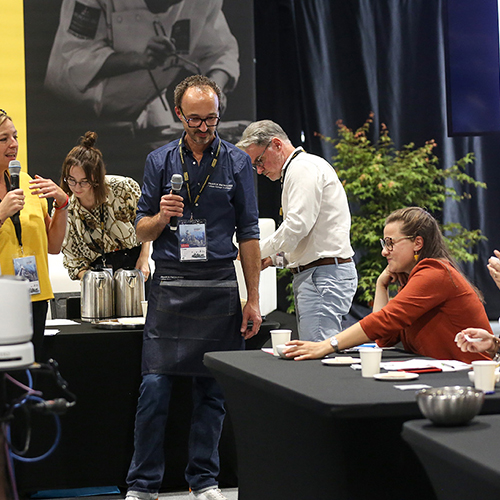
[
  {"x": 97, "y": 295},
  {"x": 129, "y": 291}
]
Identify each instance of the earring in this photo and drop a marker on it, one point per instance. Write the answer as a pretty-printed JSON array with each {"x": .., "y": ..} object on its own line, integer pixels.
[{"x": 415, "y": 256}]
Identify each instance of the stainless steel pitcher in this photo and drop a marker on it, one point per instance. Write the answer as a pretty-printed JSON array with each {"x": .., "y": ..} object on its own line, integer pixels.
[
  {"x": 97, "y": 295},
  {"x": 129, "y": 291}
]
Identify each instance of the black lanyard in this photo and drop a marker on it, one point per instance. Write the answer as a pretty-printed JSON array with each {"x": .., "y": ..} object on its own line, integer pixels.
[
  {"x": 90, "y": 230},
  {"x": 15, "y": 220},
  {"x": 295, "y": 154},
  {"x": 186, "y": 174}
]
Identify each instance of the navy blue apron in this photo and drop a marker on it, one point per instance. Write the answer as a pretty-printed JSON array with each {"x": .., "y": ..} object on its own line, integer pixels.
[{"x": 193, "y": 308}]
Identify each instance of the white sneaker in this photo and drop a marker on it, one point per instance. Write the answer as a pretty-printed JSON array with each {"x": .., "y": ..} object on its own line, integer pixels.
[
  {"x": 140, "y": 495},
  {"x": 210, "y": 494}
]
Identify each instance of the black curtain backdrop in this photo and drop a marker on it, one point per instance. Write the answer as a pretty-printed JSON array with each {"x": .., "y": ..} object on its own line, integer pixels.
[{"x": 319, "y": 61}]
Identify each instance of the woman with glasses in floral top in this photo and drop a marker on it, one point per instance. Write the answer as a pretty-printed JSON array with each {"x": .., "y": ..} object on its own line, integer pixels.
[
  {"x": 434, "y": 302},
  {"x": 101, "y": 215}
]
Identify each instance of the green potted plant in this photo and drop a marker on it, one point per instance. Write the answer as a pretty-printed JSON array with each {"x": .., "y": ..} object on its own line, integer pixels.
[{"x": 379, "y": 179}]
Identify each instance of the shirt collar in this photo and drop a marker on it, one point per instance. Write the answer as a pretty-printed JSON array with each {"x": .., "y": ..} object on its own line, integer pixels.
[{"x": 210, "y": 149}]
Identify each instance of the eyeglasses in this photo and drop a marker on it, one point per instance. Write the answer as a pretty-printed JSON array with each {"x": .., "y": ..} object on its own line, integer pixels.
[
  {"x": 258, "y": 163},
  {"x": 73, "y": 182},
  {"x": 211, "y": 121},
  {"x": 388, "y": 243}
]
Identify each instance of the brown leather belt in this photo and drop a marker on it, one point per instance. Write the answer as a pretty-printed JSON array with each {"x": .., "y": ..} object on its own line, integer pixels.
[{"x": 327, "y": 261}]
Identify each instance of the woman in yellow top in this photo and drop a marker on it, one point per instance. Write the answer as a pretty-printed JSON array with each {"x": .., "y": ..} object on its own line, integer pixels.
[{"x": 25, "y": 252}]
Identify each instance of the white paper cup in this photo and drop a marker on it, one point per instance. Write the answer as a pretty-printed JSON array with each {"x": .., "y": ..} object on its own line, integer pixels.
[
  {"x": 370, "y": 361},
  {"x": 144, "y": 304},
  {"x": 280, "y": 337},
  {"x": 484, "y": 375},
  {"x": 281, "y": 348}
]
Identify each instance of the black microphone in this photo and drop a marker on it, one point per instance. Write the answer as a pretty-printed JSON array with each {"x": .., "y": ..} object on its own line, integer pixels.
[
  {"x": 14, "y": 170},
  {"x": 176, "y": 182}
]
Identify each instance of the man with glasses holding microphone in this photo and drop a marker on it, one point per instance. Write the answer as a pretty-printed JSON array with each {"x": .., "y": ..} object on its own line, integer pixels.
[
  {"x": 313, "y": 239},
  {"x": 194, "y": 304}
]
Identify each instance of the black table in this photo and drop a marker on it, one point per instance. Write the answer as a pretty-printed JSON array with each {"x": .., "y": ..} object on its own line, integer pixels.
[
  {"x": 103, "y": 369},
  {"x": 306, "y": 430},
  {"x": 462, "y": 462}
]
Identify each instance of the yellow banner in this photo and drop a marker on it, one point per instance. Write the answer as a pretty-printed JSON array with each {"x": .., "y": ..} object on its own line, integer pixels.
[{"x": 12, "y": 79}]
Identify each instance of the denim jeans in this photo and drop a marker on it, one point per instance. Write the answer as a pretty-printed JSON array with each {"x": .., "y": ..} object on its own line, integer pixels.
[
  {"x": 148, "y": 463},
  {"x": 323, "y": 294}
]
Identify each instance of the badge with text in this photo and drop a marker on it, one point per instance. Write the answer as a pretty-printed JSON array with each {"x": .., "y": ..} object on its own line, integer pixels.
[
  {"x": 281, "y": 262},
  {"x": 26, "y": 268},
  {"x": 193, "y": 240}
]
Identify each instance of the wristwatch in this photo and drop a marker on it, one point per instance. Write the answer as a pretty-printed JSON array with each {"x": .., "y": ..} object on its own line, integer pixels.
[{"x": 335, "y": 344}]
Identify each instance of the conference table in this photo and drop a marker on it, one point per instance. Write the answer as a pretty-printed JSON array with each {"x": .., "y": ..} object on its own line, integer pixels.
[
  {"x": 102, "y": 367},
  {"x": 462, "y": 461},
  {"x": 307, "y": 430}
]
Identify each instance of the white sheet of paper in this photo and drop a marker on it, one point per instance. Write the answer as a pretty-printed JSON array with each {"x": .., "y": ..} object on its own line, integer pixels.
[
  {"x": 412, "y": 387},
  {"x": 60, "y": 322},
  {"x": 449, "y": 365}
]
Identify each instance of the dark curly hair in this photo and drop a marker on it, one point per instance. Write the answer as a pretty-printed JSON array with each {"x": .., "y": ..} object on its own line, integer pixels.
[{"x": 199, "y": 81}]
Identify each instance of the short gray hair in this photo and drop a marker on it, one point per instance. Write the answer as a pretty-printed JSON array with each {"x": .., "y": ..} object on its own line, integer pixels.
[{"x": 260, "y": 133}]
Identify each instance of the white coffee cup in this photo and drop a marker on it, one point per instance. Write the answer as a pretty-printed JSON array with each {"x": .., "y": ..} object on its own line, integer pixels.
[
  {"x": 484, "y": 375},
  {"x": 370, "y": 361},
  {"x": 144, "y": 304},
  {"x": 280, "y": 337}
]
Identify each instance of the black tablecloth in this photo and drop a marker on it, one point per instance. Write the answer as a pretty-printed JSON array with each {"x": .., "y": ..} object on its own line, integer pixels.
[
  {"x": 321, "y": 431},
  {"x": 463, "y": 461},
  {"x": 103, "y": 369},
  {"x": 334, "y": 389}
]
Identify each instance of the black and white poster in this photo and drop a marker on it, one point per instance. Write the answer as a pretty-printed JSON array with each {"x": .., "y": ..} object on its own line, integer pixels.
[{"x": 111, "y": 66}]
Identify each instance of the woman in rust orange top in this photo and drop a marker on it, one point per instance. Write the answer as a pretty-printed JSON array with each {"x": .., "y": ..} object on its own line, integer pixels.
[{"x": 435, "y": 300}]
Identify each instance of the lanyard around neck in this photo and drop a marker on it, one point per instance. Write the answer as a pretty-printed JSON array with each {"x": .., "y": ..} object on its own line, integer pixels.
[
  {"x": 15, "y": 220},
  {"x": 186, "y": 174},
  {"x": 90, "y": 230},
  {"x": 295, "y": 154}
]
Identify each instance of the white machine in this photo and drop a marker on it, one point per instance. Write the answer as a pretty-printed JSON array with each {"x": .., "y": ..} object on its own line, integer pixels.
[{"x": 16, "y": 327}]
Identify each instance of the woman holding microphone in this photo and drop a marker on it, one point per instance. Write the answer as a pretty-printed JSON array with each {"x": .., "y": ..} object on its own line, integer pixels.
[{"x": 27, "y": 232}]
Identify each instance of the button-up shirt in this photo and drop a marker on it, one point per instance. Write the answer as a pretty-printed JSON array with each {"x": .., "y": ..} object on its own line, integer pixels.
[
  {"x": 227, "y": 203},
  {"x": 316, "y": 217}
]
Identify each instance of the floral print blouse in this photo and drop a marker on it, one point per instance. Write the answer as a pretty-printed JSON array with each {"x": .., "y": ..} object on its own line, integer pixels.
[{"x": 106, "y": 228}]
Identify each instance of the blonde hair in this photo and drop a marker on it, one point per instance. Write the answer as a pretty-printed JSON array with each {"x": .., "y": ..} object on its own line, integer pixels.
[{"x": 4, "y": 116}]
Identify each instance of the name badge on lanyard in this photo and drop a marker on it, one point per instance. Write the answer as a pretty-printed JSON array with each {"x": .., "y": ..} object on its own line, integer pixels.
[
  {"x": 281, "y": 261},
  {"x": 26, "y": 268},
  {"x": 193, "y": 240}
]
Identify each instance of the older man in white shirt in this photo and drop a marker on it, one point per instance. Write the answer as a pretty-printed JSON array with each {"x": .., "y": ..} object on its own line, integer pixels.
[{"x": 313, "y": 240}]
